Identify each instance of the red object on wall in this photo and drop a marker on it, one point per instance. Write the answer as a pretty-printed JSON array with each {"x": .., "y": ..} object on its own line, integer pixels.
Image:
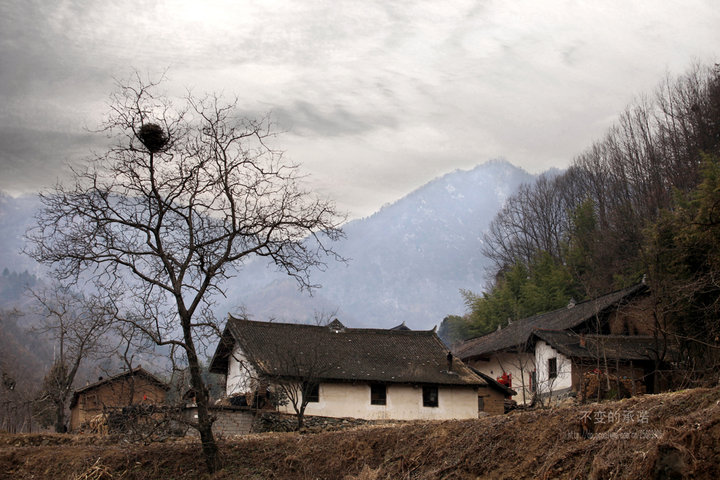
[{"x": 505, "y": 379}]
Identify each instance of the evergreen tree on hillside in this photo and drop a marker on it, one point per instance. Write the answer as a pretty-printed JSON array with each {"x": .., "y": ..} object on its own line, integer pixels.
[
  {"x": 684, "y": 265},
  {"x": 519, "y": 292}
]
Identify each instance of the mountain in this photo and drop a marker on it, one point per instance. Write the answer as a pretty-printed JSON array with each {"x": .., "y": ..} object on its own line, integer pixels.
[{"x": 407, "y": 262}]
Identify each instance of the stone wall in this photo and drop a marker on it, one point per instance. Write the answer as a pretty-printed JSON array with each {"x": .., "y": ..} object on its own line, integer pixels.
[
  {"x": 279, "y": 422},
  {"x": 229, "y": 421},
  {"x": 243, "y": 420}
]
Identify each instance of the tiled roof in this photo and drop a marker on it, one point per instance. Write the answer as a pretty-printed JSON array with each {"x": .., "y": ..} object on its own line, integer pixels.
[
  {"x": 518, "y": 333},
  {"x": 337, "y": 353},
  {"x": 504, "y": 389},
  {"x": 621, "y": 347}
]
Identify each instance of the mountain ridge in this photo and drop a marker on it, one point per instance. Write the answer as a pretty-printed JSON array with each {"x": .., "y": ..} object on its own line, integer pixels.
[{"x": 408, "y": 260}]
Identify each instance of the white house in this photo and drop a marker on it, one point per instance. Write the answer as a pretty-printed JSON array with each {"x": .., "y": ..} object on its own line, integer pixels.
[
  {"x": 546, "y": 355},
  {"x": 371, "y": 374}
]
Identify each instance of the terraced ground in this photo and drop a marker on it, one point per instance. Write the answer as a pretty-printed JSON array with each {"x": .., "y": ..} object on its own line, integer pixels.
[{"x": 672, "y": 435}]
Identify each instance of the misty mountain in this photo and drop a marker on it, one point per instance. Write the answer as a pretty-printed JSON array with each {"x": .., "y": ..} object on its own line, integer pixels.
[
  {"x": 407, "y": 262},
  {"x": 16, "y": 215}
]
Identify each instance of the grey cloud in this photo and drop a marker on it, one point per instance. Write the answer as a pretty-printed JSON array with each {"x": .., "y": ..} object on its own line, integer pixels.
[
  {"x": 304, "y": 118},
  {"x": 32, "y": 158},
  {"x": 396, "y": 87}
]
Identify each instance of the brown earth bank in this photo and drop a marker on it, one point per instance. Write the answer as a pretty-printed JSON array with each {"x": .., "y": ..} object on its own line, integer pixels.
[{"x": 668, "y": 436}]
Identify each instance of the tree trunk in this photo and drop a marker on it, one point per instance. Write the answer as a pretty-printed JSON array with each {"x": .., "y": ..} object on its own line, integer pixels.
[
  {"x": 205, "y": 421},
  {"x": 209, "y": 446},
  {"x": 60, "y": 418},
  {"x": 300, "y": 420}
]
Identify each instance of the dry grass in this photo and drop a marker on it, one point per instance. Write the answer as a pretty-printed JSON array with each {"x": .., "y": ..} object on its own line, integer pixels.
[{"x": 672, "y": 435}]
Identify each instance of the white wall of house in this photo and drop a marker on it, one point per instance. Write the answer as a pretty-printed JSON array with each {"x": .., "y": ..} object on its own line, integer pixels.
[
  {"x": 520, "y": 365},
  {"x": 240, "y": 373},
  {"x": 404, "y": 402},
  {"x": 563, "y": 380}
]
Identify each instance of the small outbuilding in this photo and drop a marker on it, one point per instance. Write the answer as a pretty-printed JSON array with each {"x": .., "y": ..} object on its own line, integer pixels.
[{"x": 133, "y": 387}]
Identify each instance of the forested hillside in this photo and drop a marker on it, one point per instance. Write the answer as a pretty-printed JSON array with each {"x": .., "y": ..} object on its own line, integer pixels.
[{"x": 643, "y": 200}]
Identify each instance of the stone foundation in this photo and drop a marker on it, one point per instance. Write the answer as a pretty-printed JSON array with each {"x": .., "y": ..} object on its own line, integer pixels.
[
  {"x": 229, "y": 421},
  {"x": 279, "y": 422}
]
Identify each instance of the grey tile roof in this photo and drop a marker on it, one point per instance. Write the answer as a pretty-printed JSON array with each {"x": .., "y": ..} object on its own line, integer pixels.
[
  {"x": 518, "y": 333},
  {"x": 338, "y": 353},
  {"x": 504, "y": 389},
  {"x": 621, "y": 347}
]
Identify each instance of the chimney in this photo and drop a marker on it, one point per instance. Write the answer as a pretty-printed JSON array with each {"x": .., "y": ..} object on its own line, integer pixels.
[
  {"x": 449, "y": 361},
  {"x": 571, "y": 303}
]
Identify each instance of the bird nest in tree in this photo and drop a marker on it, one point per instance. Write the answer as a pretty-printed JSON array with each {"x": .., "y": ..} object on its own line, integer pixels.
[{"x": 152, "y": 136}]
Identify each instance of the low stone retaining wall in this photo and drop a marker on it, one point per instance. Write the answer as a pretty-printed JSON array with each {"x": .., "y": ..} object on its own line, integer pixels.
[
  {"x": 279, "y": 422},
  {"x": 232, "y": 421},
  {"x": 229, "y": 421}
]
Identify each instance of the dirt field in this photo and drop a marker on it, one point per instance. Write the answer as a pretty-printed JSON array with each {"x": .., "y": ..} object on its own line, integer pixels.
[{"x": 668, "y": 436}]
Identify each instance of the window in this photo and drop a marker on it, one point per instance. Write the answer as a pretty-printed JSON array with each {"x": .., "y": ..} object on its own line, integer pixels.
[
  {"x": 552, "y": 367},
  {"x": 378, "y": 394},
  {"x": 430, "y": 396},
  {"x": 481, "y": 404},
  {"x": 91, "y": 401},
  {"x": 311, "y": 392}
]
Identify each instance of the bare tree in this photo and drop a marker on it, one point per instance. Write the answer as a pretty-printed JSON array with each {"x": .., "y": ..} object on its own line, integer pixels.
[
  {"x": 525, "y": 364},
  {"x": 77, "y": 325},
  {"x": 287, "y": 375},
  {"x": 300, "y": 381},
  {"x": 532, "y": 220},
  {"x": 629, "y": 177},
  {"x": 183, "y": 199},
  {"x": 18, "y": 379},
  {"x": 295, "y": 380}
]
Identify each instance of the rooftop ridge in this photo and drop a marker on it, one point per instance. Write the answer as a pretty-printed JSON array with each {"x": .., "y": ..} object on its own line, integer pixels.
[
  {"x": 520, "y": 331},
  {"x": 270, "y": 324}
]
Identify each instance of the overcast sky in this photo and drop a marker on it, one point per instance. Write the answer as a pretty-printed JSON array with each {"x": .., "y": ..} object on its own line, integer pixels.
[{"x": 377, "y": 97}]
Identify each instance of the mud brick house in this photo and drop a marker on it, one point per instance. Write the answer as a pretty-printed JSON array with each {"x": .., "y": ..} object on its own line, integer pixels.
[
  {"x": 133, "y": 387},
  {"x": 549, "y": 355},
  {"x": 488, "y": 399},
  {"x": 373, "y": 374}
]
